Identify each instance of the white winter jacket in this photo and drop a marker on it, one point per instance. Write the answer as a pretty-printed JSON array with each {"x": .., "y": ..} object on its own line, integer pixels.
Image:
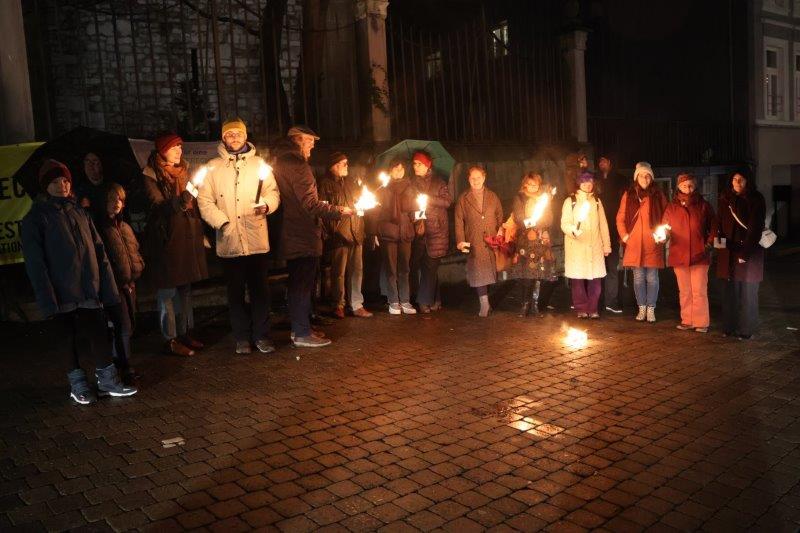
[
  {"x": 228, "y": 195},
  {"x": 584, "y": 254}
]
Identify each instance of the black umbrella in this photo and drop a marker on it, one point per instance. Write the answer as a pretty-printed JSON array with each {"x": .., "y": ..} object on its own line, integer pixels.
[{"x": 119, "y": 163}]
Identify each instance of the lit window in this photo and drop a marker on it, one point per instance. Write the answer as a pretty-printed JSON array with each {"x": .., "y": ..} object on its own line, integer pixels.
[
  {"x": 433, "y": 64},
  {"x": 500, "y": 39}
]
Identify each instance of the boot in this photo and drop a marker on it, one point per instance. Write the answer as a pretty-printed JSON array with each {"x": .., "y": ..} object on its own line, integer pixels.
[
  {"x": 79, "y": 387},
  {"x": 651, "y": 314},
  {"x": 642, "y": 313},
  {"x": 485, "y": 307},
  {"x": 108, "y": 383}
]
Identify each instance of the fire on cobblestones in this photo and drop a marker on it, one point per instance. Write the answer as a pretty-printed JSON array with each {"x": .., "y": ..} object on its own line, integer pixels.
[{"x": 576, "y": 339}]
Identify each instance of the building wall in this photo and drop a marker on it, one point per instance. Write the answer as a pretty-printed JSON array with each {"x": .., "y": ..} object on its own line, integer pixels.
[{"x": 775, "y": 26}]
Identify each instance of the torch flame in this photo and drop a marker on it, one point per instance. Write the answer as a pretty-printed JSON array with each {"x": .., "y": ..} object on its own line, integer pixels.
[
  {"x": 200, "y": 176},
  {"x": 660, "y": 234},
  {"x": 384, "y": 179},
  {"x": 583, "y": 212},
  {"x": 553, "y": 192},
  {"x": 576, "y": 338},
  {"x": 422, "y": 201},
  {"x": 366, "y": 201},
  {"x": 264, "y": 171},
  {"x": 538, "y": 209}
]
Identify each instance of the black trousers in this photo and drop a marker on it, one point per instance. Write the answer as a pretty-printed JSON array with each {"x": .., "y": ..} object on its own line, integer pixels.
[
  {"x": 82, "y": 332},
  {"x": 425, "y": 269},
  {"x": 248, "y": 272},
  {"x": 740, "y": 307},
  {"x": 613, "y": 291},
  {"x": 302, "y": 279},
  {"x": 122, "y": 317}
]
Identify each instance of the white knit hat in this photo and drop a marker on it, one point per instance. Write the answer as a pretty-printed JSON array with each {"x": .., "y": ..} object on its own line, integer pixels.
[{"x": 643, "y": 167}]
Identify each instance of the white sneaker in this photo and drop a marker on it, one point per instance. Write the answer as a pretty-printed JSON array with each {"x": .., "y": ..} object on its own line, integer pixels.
[
  {"x": 642, "y": 313},
  {"x": 394, "y": 309},
  {"x": 408, "y": 309}
]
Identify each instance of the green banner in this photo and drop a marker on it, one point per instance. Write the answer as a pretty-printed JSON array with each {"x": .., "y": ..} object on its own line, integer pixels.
[{"x": 14, "y": 201}]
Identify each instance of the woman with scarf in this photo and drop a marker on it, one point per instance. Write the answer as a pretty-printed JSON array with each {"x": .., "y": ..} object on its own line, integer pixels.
[
  {"x": 640, "y": 212},
  {"x": 173, "y": 245},
  {"x": 690, "y": 220},
  {"x": 478, "y": 215},
  {"x": 534, "y": 263},
  {"x": 740, "y": 263}
]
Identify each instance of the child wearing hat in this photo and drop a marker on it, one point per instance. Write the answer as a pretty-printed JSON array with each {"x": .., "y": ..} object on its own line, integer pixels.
[{"x": 67, "y": 264}]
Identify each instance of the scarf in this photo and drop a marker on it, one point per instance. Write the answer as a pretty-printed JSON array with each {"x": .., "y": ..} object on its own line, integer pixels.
[{"x": 636, "y": 196}]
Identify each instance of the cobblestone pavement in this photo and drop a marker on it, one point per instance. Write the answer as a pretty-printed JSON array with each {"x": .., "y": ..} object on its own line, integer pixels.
[{"x": 419, "y": 423}]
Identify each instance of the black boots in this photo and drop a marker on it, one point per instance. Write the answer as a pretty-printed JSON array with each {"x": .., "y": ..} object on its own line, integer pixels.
[
  {"x": 108, "y": 383},
  {"x": 79, "y": 387}
]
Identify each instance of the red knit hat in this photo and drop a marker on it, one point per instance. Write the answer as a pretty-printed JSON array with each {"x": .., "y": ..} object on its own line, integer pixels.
[
  {"x": 52, "y": 169},
  {"x": 166, "y": 141},
  {"x": 423, "y": 158}
]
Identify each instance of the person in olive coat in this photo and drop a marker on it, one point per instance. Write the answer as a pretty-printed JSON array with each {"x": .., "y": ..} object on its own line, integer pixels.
[{"x": 479, "y": 215}]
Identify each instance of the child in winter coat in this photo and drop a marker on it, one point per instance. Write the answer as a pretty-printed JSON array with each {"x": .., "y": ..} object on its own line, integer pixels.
[
  {"x": 71, "y": 277},
  {"x": 127, "y": 265}
]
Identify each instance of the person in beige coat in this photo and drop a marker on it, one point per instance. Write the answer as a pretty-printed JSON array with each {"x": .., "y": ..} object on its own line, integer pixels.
[
  {"x": 238, "y": 192},
  {"x": 478, "y": 215},
  {"x": 586, "y": 244}
]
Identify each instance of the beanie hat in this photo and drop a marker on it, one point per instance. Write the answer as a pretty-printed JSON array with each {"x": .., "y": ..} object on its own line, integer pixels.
[
  {"x": 52, "y": 169},
  {"x": 234, "y": 124},
  {"x": 643, "y": 167},
  {"x": 336, "y": 157},
  {"x": 685, "y": 176},
  {"x": 583, "y": 177},
  {"x": 423, "y": 158},
  {"x": 166, "y": 141}
]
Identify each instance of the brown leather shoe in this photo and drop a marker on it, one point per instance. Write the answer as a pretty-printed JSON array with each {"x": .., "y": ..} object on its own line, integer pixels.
[
  {"x": 362, "y": 313},
  {"x": 176, "y": 348},
  {"x": 338, "y": 312},
  {"x": 194, "y": 344}
]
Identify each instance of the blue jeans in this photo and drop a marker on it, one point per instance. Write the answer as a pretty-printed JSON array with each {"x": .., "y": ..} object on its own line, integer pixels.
[
  {"x": 645, "y": 285},
  {"x": 175, "y": 311}
]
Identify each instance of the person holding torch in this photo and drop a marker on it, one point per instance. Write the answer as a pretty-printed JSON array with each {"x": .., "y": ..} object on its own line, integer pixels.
[
  {"x": 175, "y": 256},
  {"x": 586, "y": 244},
  {"x": 238, "y": 192},
  {"x": 688, "y": 222},
  {"x": 345, "y": 237},
  {"x": 432, "y": 229}
]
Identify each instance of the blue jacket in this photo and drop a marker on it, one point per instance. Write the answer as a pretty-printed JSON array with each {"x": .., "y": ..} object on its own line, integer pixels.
[{"x": 65, "y": 257}]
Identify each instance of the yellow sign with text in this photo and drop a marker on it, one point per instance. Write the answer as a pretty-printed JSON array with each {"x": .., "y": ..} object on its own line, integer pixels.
[{"x": 14, "y": 201}]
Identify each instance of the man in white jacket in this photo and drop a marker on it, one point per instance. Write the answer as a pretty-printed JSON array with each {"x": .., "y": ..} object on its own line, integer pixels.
[{"x": 239, "y": 191}]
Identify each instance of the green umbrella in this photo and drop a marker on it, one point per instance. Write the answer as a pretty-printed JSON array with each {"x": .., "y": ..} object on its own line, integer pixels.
[{"x": 443, "y": 162}]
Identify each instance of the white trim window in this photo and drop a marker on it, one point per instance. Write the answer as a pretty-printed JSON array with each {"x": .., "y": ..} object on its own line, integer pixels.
[
  {"x": 500, "y": 39},
  {"x": 775, "y": 81},
  {"x": 796, "y": 71},
  {"x": 433, "y": 64}
]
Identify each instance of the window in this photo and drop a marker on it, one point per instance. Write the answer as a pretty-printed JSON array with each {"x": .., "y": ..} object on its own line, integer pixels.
[
  {"x": 500, "y": 39},
  {"x": 780, "y": 7},
  {"x": 433, "y": 64},
  {"x": 797, "y": 85},
  {"x": 775, "y": 81}
]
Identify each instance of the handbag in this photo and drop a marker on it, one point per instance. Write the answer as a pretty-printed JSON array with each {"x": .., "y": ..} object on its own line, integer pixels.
[{"x": 768, "y": 236}]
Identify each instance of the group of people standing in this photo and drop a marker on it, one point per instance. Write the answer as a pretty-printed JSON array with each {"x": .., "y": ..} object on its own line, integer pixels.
[
  {"x": 645, "y": 220},
  {"x": 84, "y": 260}
]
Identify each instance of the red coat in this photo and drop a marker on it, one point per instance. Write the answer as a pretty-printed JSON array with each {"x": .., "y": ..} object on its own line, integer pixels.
[{"x": 692, "y": 222}]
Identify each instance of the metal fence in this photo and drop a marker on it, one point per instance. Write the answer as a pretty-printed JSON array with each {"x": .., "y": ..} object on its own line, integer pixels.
[{"x": 486, "y": 81}]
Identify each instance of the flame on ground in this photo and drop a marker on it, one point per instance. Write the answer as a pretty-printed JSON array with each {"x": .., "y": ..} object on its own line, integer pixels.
[{"x": 576, "y": 338}]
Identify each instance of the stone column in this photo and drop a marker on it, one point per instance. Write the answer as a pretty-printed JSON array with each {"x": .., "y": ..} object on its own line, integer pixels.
[
  {"x": 372, "y": 69},
  {"x": 16, "y": 109},
  {"x": 573, "y": 46}
]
